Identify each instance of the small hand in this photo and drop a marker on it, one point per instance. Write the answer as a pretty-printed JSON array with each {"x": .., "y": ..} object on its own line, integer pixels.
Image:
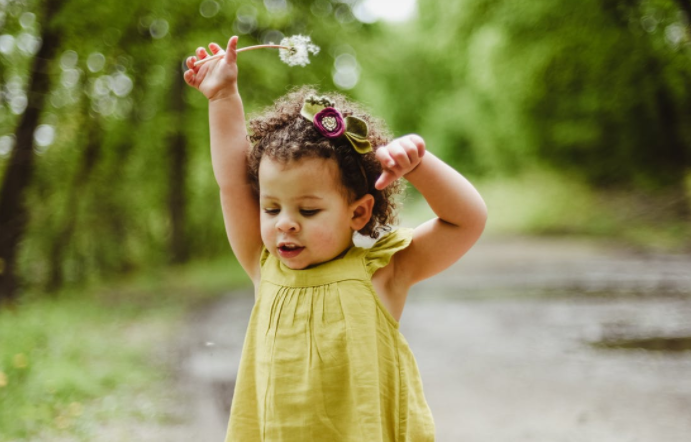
[
  {"x": 217, "y": 78},
  {"x": 398, "y": 158}
]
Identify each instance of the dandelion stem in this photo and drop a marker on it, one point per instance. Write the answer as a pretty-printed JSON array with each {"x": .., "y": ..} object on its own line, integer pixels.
[{"x": 247, "y": 48}]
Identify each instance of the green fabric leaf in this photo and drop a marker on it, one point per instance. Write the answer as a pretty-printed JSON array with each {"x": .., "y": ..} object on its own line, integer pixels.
[
  {"x": 309, "y": 110},
  {"x": 313, "y": 105},
  {"x": 356, "y": 126},
  {"x": 361, "y": 145},
  {"x": 356, "y": 132}
]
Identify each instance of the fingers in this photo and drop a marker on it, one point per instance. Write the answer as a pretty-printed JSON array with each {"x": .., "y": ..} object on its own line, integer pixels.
[
  {"x": 190, "y": 74},
  {"x": 201, "y": 53},
  {"x": 189, "y": 77},
  {"x": 189, "y": 62},
  {"x": 231, "y": 54},
  {"x": 414, "y": 147},
  {"x": 398, "y": 158},
  {"x": 418, "y": 142},
  {"x": 400, "y": 154},
  {"x": 215, "y": 48},
  {"x": 382, "y": 154}
]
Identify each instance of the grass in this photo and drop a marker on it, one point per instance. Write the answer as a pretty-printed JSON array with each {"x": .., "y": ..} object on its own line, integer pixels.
[{"x": 74, "y": 362}]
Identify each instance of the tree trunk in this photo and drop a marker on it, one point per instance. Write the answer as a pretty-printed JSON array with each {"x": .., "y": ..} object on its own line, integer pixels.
[
  {"x": 61, "y": 241},
  {"x": 672, "y": 154},
  {"x": 13, "y": 211},
  {"x": 685, "y": 6},
  {"x": 177, "y": 152}
]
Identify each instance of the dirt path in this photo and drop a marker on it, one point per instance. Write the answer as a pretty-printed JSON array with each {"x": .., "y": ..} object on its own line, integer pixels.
[{"x": 501, "y": 340}]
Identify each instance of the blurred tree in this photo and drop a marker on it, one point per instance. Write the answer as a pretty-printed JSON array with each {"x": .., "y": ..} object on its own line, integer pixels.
[
  {"x": 593, "y": 88},
  {"x": 65, "y": 231},
  {"x": 18, "y": 173},
  {"x": 118, "y": 147}
]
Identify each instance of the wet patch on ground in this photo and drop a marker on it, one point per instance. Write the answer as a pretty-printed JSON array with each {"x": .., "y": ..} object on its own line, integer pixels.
[{"x": 652, "y": 343}]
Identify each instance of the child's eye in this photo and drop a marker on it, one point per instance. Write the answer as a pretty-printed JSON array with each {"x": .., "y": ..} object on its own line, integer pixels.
[
  {"x": 272, "y": 211},
  {"x": 310, "y": 212}
]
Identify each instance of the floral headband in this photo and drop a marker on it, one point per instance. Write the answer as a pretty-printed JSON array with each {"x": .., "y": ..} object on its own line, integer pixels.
[{"x": 331, "y": 124}]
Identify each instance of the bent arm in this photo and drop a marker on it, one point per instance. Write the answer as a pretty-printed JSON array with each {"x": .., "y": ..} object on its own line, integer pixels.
[
  {"x": 229, "y": 148},
  {"x": 440, "y": 242}
]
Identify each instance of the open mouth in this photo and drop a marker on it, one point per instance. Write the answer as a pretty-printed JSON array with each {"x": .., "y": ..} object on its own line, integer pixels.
[{"x": 289, "y": 250}]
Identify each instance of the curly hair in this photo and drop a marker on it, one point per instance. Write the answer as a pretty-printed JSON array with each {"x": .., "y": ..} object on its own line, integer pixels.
[{"x": 283, "y": 135}]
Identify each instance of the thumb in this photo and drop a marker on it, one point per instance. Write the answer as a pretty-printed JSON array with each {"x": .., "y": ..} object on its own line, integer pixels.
[{"x": 231, "y": 54}]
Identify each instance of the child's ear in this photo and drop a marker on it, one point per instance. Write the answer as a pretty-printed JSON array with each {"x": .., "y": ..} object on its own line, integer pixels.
[{"x": 361, "y": 211}]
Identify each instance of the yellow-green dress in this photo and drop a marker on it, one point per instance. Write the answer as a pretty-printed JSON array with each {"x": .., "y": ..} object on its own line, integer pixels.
[{"x": 323, "y": 360}]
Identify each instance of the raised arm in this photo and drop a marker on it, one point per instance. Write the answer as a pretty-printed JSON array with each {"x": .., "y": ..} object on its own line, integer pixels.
[
  {"x": 460, "y": 209},
  {"x": 217, "y": 80}
]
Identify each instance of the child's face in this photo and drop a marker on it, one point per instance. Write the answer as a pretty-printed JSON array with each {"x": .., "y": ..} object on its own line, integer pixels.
[{"x": 305, "y": 218}]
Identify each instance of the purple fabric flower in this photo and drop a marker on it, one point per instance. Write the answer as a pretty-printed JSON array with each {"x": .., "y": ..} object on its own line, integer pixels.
[{"x": 329, "y": 122}]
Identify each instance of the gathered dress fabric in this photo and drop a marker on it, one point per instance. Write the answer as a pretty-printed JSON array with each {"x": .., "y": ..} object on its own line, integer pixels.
[{"x": 324, "y": 360}]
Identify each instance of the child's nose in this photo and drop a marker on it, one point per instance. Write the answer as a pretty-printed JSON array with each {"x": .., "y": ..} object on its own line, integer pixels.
[{"x": 287, "y": 224}]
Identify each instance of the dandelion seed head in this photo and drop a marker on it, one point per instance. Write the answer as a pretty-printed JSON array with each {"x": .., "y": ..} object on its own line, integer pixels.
[{"x": 299, "y": 48}]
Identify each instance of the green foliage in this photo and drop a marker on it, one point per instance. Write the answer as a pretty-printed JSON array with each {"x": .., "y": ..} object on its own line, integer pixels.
[
  {"x": 597, "y": 90},
  {"x": 100, "y": 201},
  {"x": 498, "y": 86}
]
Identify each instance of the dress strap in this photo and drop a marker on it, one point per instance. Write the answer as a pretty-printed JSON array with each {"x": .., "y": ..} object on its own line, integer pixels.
[{"x": 379, "y": 255}]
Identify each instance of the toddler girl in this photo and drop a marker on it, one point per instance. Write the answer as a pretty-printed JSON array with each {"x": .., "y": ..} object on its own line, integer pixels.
[{"x": 323, "y": 359}]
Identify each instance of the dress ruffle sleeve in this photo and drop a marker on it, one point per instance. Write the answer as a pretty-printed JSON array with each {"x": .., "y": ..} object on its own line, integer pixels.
[
  {"x": 381, "y": 252},
  {"x": 264, "y": 256}
]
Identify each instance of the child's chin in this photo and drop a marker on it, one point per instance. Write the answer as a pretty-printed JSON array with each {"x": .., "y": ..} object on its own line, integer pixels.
[
  {"x": 300, "y": 265},
  {"x": 296, "y": 265}
]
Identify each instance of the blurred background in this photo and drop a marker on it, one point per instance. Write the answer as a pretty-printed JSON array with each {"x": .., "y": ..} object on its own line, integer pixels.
[{"x": 571, "y": 118}]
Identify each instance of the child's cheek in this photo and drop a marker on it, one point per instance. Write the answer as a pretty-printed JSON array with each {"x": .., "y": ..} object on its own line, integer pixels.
[
  {"x": 268, "y": 234},
  {"x": 323, "y": 238},
  {"x": 329, "y": 240}
]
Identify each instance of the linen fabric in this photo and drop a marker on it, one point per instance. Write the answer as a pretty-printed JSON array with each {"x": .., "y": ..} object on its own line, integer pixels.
[{"x": 324, "y": 360}]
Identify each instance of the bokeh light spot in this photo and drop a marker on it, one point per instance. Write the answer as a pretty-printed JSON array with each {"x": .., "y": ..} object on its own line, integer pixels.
[
  {"x": 28, "y": 44},
  {"x": 27, "y": 20},
  {"x": 121, "y": 84},
  {"x": 276, "y": 6},
  {"x": 18, "y": 103},
  {"x": 101, "y": 86},
  {"x": 246, "y": 19},
  {"x": 44, "y": 135},
  {"x": 70, "y": 78},
  {"x": 69, "y": 59},
  {"x": 346, "y": 72},
  {"x": 387, "y": 10},
  {"x": 159, "y": 28},
  {"x": 321, "y": 8},
  {"x": 674, "y": 34},
  {"x": 104, "y": 105},
  {"x": 343, "y": 14},
  {"x": 6, "y": 146},
  {"x": 272, "y": 36},
  {"x": 96, "y": 61},
  {"x": 6, "y": 44},
  {"x": 648, "y": 23},
  {"x": 209, "y": 8}
]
